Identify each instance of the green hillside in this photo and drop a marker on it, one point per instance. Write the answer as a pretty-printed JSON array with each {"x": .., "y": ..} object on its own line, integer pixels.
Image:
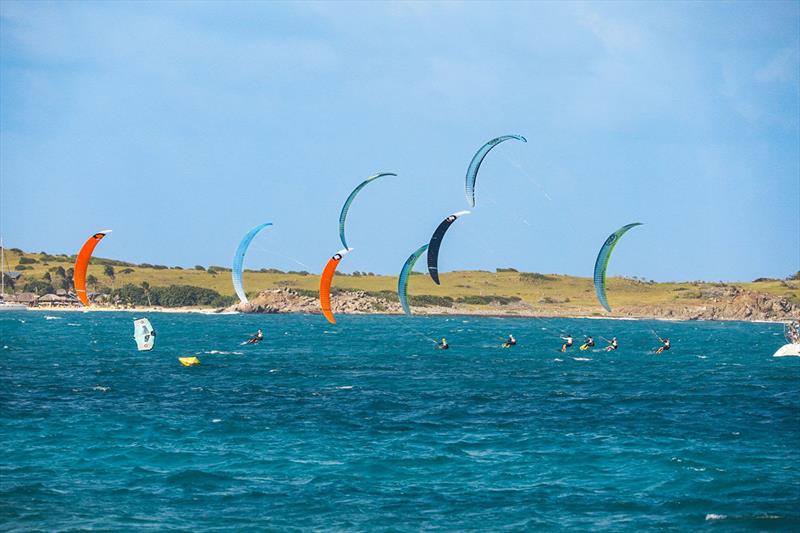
[{"x": 42, "y": 273}]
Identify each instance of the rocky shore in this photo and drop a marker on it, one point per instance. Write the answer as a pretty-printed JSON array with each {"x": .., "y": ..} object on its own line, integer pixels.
[{"x": 722, "y": 303}]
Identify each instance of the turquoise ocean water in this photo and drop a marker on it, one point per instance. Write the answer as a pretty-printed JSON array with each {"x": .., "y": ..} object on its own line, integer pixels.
[{"x": 366, "y": 426}]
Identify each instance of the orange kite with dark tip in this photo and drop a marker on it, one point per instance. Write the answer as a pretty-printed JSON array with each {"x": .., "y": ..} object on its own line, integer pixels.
[
  {"x": 325, "y": 284},
  {"x": 82, "y": 262}
]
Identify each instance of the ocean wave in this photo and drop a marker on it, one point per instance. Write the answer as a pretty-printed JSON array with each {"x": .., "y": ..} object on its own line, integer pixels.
[
  {"x": 199, "y": 479},
  {"x": 48, "y": 317}
]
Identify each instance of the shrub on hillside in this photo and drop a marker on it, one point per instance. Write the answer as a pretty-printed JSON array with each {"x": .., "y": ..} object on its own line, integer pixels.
[
  {"x": 386, "y": 295},
  {"x": 27, "y": 261},
  {"x": 428, "y": 300},
  {"x": 38, "y": 287},
  {"x": 551, "y": 300},
  {"x": 534, "y": 277},
  {"x": 171, "y": 296},
  {"x": 487, "y": 300}
]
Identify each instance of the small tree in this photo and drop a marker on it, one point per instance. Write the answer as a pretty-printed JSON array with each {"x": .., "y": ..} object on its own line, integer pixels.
[
  {"x": 108, "y": 270},
  {"x": 8, "y": 281},
  {"x": 146, "y": 287},
  {"x": 91, "y": 280}
]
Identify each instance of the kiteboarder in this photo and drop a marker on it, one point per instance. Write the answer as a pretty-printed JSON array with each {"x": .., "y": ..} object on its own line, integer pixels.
[
  {"x": 511, "y": 341},
  {"x": 443, "y": 344},
  {"x": 258, "y": 337},
  {"x": 665, "y": 345},
  {"x": 588, "y": 344},
  {"x": 568, "y": 343},
  {"x": 612, "y": 345}
]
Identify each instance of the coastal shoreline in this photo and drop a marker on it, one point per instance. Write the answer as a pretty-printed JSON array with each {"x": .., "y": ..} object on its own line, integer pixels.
[{"x": 455, "y": 314}]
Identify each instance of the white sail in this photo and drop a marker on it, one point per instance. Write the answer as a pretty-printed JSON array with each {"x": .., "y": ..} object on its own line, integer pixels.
[{"x": 144, "y": 334}]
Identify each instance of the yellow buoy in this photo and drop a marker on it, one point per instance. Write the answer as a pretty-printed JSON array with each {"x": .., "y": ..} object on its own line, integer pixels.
[{"x": 189, "y": 361}]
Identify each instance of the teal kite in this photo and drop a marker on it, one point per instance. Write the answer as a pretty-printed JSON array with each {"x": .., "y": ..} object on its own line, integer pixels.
[
  {"x": 238, "y": 260},
  {"x": 346, "y": 206},
  {"x": 477, "y": 159},
  {"x": 601, "y": 264},
  {"x": 402, "y": 282}
]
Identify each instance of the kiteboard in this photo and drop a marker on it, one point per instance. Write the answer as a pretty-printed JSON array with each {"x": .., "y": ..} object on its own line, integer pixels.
[
  {"x": 144, "y": 335},
  {"x": 788, "y": 350},
  {"x": 584, "y": 347},
  {"x": 189, "y": 361}
]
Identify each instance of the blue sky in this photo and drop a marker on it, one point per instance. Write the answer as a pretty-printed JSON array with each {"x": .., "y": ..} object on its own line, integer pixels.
[{"x": 182, "y": 125}]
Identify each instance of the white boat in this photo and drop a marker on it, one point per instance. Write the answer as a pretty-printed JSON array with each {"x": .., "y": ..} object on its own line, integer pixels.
[
  {"x": 4, "y": 305},
  {"x": 788, "y": 350},
  {"x": 792, "y": 333}
]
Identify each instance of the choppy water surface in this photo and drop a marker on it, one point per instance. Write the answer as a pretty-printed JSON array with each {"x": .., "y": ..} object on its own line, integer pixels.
[{"x": 365, "y": 425}]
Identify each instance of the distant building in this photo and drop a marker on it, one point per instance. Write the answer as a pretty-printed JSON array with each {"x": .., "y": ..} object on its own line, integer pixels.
[
  {"x": 25, "y": 298},
  {"x": 55, "y": 300}
]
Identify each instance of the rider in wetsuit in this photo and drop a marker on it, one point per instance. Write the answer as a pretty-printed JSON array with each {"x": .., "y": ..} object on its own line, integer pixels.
[
  {"x": 665, "y": 345},
  {"x": 259, "y": 336},
  {"x": 612, "y": 345},
  {"x": 568, "y": 343}
]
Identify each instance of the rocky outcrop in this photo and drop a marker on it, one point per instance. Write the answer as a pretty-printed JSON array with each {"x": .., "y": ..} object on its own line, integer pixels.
[
  {"x": 723, "y": 303},
  {"x": 739, "y": 304},
  {"x": 290, "y": 301},
  {"x": 719, "y": 303}
]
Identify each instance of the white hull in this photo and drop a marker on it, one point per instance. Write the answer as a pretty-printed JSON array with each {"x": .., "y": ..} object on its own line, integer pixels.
[
  {"x": 12, "y": 307},
  {"x": 788, "y": 350}
]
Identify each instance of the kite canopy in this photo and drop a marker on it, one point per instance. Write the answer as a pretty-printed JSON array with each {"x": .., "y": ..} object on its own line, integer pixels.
[
  {"x": 601, "y": 264},
  {"x": 82, "y": 262},
  {"x": 402, "y": 282},
  {"x": 436, "y": 242},
  {"x": 346, "y": 206},
  {"x": 238, "y": 260},
  {"x": 477, "y": 159},
  {"x": 325, "y": 283}
]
